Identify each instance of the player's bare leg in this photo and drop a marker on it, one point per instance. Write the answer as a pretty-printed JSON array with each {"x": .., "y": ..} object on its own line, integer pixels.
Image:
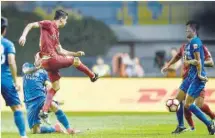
[
  {"x": 180, "y": 128},
  {"x": 199, "y": 114},
  {"x": 19, "y": 120},
  {"x": 83, "y": 68}
]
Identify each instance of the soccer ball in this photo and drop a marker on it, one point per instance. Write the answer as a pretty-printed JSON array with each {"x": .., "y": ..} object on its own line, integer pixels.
[{"x": 172, "y": 105}]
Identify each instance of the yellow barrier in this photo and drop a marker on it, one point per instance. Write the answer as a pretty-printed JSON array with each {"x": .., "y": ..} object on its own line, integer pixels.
[{"x": 116, "y": 94}]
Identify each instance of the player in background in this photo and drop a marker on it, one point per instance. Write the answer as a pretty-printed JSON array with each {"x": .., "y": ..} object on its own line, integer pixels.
[
  {"x": 53, "y": 56},
  {"x": 194, "y": 83},
  {"x": 9, "y": 82},
  {"x": 35, "y": 85},
  {"x": 185, "y": 68}
]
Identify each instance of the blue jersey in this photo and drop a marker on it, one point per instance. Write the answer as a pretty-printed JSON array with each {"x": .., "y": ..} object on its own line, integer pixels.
[
  {"x": 7, "y": 47},
  {"x": 34, "y": 84},
  {"x": 195, "y": 46}
]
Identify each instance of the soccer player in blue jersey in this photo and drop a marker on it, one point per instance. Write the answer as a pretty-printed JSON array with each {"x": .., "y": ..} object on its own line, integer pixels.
[
  {"x": 9, "y": 82},
  {"x": 194, "y": 83},
  {"x": 35, "y": 86}
]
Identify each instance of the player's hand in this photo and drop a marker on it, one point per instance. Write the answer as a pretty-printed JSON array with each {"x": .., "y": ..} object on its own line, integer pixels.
[
  {"x": 80, "y": 53},
  {"x": 164, "y": 69},
  {"x": 203, "y": 78},
  {"x": 192, "y": 62},
  {"x": 22, "y": 40}
]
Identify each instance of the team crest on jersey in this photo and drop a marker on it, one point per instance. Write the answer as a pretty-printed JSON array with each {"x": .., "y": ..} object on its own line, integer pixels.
[{"x": 195, "y": 46}]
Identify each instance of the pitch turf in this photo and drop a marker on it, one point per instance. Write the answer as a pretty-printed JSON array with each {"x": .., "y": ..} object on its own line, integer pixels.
[{"x": 114, "y": 125}]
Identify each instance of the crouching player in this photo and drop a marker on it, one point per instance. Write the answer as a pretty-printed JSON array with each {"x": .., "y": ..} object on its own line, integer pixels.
[{"x": 35, "y": 84}]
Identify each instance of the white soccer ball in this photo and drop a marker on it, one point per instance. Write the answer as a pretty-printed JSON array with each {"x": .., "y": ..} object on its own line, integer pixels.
[{"x": 172, "y": 105}]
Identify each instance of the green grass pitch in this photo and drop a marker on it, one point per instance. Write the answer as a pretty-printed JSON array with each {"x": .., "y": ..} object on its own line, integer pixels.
[{"x": 113, "y": 125}]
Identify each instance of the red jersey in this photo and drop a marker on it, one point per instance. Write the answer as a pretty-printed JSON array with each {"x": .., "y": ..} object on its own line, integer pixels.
[
  {"x": 185, "y": 68},
  {"x": 49, "y": 38}
]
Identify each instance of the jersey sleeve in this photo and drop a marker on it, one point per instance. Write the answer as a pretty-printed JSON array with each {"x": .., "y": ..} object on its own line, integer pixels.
[
  {"x": 206, "y": 52},
  {"x": 10, "y": 48},
  {"x": 196, "y": 46},
  {"x": 45, "y": 24}
]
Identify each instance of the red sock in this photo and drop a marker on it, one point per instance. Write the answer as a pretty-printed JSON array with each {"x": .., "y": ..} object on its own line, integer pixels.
[
  {"x": 188, "y": 116},
  {"x": 206, "y": 109},
  {"x": 86, "y": 70},
  {"x": 50, "y": 94}
]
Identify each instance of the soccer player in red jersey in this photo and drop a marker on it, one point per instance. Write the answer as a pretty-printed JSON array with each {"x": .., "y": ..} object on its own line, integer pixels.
[
  {"x": 52, "y": 56},
  {"x": 200, "y": 100}
]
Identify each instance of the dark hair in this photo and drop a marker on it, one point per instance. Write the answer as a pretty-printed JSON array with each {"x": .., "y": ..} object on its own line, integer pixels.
[
  {"x": 193, "y": 25},
  {"x": 4, "y": 24},
  {"x": 60, "y": 14}
]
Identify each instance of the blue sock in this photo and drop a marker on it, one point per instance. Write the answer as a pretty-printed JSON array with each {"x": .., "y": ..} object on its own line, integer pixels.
[
  {"x": 45, "y": 129},
  {"x": 20, "y": 122},
  {"x": 180, "y": 115},
  {"x": 62, "y": 118},
  {"x": 194, "y": 109}
]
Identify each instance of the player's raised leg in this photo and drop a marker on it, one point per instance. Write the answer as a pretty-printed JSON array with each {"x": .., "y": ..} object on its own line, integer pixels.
[{"x": 81, "y": 67}]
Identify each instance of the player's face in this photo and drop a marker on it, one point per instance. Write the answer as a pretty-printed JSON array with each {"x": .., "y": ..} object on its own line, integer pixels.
[
  {"x": 189, "y": 32},
  {"x": 63, "y": 21},
  {"x": 4, "y": 32}
]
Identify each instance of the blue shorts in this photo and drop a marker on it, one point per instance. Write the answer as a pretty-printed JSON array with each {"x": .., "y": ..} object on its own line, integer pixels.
[
  {"x": 192, "y": 87},
  {"x": 9, "y": 92},
  {"x": 33, "y": 110}
]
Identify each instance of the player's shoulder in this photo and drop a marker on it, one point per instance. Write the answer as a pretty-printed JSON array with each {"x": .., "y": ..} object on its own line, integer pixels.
[
  {"x": 42, "y": 72},
  {"x": 196, "y": 41},
  {"x": 46, "y": 22},
  {"x": 6, "y": 42}
]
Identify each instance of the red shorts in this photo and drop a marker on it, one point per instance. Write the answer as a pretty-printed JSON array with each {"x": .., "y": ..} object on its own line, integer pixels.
[{"x": 53, "y": 64}]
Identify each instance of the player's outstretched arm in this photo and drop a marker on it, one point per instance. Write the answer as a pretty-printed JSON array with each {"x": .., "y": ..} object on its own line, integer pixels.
[
  {"x": 22, "y": 39},
  {"x": 64, "y": 52},
  {"x": 171, "y": 62},
  {"x": 13, "y": 69},
  {"x": 209, "y": 62}
]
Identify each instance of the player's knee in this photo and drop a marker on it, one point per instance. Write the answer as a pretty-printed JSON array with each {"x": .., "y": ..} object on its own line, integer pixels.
[
  {"x": 16, "y": 108},
  {"x": 35, "y": 130},
  {"x": 187, "y": 105},
  {"x": 77, "y": 61},
  {"x": 180, "y": 96},
  {"x": 199, "y": 104},
  {"x": 56, "y": 88}
]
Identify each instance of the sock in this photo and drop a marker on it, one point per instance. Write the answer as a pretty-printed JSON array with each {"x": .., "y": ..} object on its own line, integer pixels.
[
  {"x": 20, "y": 122},
  {"x": 188, "y": 117},
  {"x": 50, "y": 94},
  {"x": 86, "y": 70},
  {"x": 180, "y": 115},
  {"x": 196, "y": 110},
  {"x": 62, "y": 119},
  {"x": 45, "y": 129},
  {"x": 206, "y": 109}
]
